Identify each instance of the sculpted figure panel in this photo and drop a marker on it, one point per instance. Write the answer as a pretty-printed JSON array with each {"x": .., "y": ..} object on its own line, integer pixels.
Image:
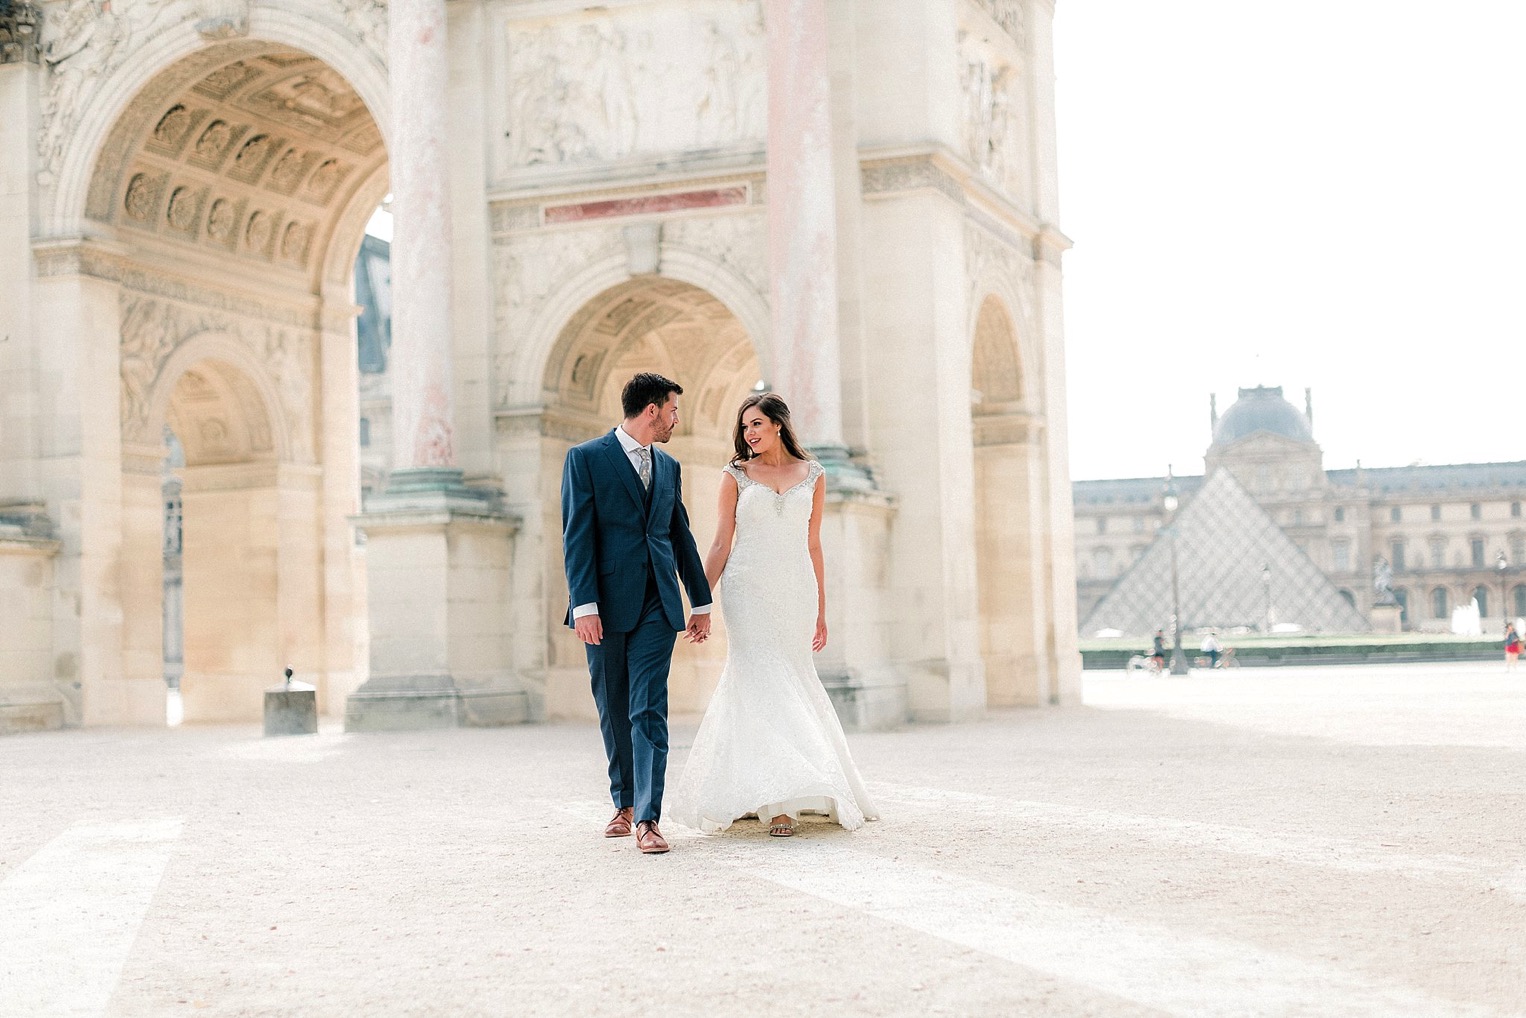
[
  {"x": 995, "y": 122},
  {"x": 633, "y": 83}
]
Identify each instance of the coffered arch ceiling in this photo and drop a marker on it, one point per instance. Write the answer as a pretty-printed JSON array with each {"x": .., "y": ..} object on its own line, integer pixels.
[
  {"x": 658, "y": 324},
  {"x": 247, "y": 153}
]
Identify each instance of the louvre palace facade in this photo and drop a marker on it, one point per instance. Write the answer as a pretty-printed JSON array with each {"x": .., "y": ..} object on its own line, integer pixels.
[{"x": 1439, "y": 536}]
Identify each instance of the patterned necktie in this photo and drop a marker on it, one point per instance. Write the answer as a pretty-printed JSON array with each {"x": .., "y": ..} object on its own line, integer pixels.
[{"x": 645, "y": 469}]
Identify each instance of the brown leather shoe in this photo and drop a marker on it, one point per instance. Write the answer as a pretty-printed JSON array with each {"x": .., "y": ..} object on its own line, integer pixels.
[
  {"x": 620, "y": 826},
  {"x": 649, "y": 839}
]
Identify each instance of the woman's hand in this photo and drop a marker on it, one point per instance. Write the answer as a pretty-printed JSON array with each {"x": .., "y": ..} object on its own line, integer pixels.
[{"x": 820, "y": 639}]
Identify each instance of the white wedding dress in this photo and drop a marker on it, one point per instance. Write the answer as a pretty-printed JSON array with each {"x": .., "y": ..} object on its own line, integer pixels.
[{"x": 770, "y": 743}]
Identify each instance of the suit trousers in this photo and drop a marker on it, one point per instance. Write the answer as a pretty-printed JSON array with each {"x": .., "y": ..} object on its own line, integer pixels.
[{"x": 630, "y": 687}]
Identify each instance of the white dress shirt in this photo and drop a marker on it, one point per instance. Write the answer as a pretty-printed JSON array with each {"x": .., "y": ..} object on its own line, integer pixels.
[{"x": 633, "y": 453}]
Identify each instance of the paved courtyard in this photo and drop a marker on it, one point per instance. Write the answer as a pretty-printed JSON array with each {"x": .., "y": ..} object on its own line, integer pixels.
[{"x": 1340, "y": 841}]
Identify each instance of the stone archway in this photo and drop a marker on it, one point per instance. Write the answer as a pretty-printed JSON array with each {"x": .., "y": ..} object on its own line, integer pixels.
[
  {"x": 235, "y": 186},
  {"x": 646, "y": 324},
  {"x": 1008, "y": 510}
]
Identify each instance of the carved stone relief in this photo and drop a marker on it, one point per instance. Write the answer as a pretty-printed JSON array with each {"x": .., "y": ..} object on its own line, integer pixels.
[
  {"x": 1011, "y": 16},
  {"x": 988, "y": 258},
  {"x": 530, "y": 268},
  {"x": 738, "y": 241},
  {"x": 631, "y": 83},
  {"x": 995, "y": 117},
  {"x": 152, "y": 329}
]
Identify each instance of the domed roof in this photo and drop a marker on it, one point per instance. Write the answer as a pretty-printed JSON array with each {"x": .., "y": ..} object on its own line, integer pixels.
[{"x": 1262, "y": 409}]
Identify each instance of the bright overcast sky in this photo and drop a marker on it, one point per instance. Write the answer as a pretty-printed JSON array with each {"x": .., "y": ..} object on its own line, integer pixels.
[{"x": 1324, "y": 193}]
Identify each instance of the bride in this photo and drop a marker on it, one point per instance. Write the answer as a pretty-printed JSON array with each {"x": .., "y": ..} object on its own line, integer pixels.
[{"x": 770, "y": 744}]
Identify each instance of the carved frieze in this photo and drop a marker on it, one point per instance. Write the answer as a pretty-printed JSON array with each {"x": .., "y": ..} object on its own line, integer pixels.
[
  {"x": 992, "y": 261},
  {"x": 644, "y": 81},
  {"x": 153, "y": 328},
  {"x": 529, "y": 269},
  {"x": 738, "y": 241}
]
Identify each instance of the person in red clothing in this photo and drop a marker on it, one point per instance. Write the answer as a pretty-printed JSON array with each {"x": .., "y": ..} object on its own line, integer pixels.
[{"x": 1512, "y": 646}]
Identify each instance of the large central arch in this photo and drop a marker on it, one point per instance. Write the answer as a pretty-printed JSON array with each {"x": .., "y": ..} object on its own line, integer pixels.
[
  {"x": 234, "y": 183},
  {"x": 647, "y": 323}
]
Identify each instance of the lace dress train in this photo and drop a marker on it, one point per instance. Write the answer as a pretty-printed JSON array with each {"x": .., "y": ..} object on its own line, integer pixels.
[{"x": 770, "y": 743}]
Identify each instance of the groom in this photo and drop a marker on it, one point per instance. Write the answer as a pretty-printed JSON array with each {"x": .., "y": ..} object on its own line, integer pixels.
[{"x": 625, "y": 534}]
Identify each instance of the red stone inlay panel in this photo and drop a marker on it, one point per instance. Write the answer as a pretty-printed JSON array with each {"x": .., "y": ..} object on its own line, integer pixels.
[{"x": 708, "y": 199}]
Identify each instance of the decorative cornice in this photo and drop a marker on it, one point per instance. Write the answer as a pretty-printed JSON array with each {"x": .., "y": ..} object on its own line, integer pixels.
[{"x": 112, "y": 262}]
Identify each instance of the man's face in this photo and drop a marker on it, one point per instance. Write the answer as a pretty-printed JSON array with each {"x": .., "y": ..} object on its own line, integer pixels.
[{"x": 666, "y": 418}]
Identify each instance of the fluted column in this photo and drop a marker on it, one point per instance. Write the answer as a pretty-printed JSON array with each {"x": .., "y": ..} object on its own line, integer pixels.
[{"x": 422, "y": 410}]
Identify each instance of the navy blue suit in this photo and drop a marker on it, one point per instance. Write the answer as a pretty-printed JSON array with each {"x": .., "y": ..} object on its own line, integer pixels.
[{"x": 625, "y": 547}]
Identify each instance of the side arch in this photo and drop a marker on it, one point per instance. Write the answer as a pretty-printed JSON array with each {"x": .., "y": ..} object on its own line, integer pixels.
[{"x": 227, "y": 349}]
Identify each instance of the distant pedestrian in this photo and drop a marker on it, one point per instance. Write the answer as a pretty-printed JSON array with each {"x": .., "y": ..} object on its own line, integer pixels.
[
  {"x": 1213, "y": 648},
  {"x": 1158, "y": 650},
  {"x": 1512, "y": 646}
]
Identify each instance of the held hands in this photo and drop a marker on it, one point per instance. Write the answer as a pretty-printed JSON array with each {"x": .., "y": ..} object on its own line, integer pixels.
[
  {"x": 699, "y": 629},
  {"x": 590, "y": 629},
  {"x": 820, "y": 639}
]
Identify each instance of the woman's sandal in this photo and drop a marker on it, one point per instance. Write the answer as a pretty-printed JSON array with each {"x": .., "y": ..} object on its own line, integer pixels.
[{"x": 784, "y": 830}]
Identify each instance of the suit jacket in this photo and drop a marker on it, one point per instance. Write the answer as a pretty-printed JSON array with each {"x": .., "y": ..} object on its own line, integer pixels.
[{"x": 615, "y": 535}]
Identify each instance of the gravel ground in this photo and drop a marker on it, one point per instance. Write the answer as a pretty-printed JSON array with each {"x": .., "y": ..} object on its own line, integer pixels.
[{"x": 1338, "y": 841}]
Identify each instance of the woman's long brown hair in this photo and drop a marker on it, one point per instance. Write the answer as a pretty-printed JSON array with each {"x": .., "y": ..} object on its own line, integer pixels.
[{"x": 775, "y": 409}]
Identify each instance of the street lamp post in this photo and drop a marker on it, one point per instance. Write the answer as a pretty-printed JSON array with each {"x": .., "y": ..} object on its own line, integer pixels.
[
  {"x": 1500, "y": 565},
  {"x": 1266, "y": 584},
  {"x": 1170, "y": 500}
]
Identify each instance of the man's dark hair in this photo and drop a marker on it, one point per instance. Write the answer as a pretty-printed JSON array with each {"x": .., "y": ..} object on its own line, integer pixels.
[{"x": 646, "y": 388}]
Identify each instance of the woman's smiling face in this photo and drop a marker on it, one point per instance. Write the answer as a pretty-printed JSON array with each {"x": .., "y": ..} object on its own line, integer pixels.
[{"x": 760, "y": 433}]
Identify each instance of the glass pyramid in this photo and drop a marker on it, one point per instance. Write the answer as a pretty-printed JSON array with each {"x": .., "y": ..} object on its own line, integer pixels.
[{"x": 1224, "y": 540}]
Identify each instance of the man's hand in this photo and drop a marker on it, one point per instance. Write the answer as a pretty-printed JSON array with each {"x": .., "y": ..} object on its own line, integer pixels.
[
  {"x": 590, "y": 629},
  {"x": 699, "y": 629}
]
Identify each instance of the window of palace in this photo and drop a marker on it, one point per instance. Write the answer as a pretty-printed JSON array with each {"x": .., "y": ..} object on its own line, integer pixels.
[
  {"x": 1477, "y": 546},
  {"x": 1297, "y": 517},
  {"x": 1139, "y": 524},
  {"x": 1481, "y": 595},
  {"x": 1439, "y": 606},
  {"x": 1401, "y": 595},
  {"x": 1438, "y": 552},
  {"x": 1519, "y": 595},
  {"x": 365, "y": 432},
  {"x": 1340, "y": 552},
  {"x": 1435, "y": 512},
  {"x": 1101, "y": 524},
  {"x": 1398, "y": 555},
  {"x": 1518, "y": 549},
  {"x": 1340, "y": 514},
  {"x": 1102, "y": 563},
  {"x": 1395, "y": 514},
  {"x": 1515, "y": 509},
  {"x": 1476, "y": 511}
]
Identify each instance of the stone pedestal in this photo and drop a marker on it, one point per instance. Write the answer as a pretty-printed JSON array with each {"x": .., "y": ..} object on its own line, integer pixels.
[
  {"x": 291, "y": 709},
  {"x": 438, "y": 558},
  {"x": 1387, "y": 618}
]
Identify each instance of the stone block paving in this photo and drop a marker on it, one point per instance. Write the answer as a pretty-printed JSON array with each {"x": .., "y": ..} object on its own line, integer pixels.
[{"x": 1340, "y": 841}]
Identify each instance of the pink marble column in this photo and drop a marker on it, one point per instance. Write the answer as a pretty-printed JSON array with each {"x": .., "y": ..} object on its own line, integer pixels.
[
  {"x": 802, "y": 220},
  {"x": 422, "y": 412}
]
